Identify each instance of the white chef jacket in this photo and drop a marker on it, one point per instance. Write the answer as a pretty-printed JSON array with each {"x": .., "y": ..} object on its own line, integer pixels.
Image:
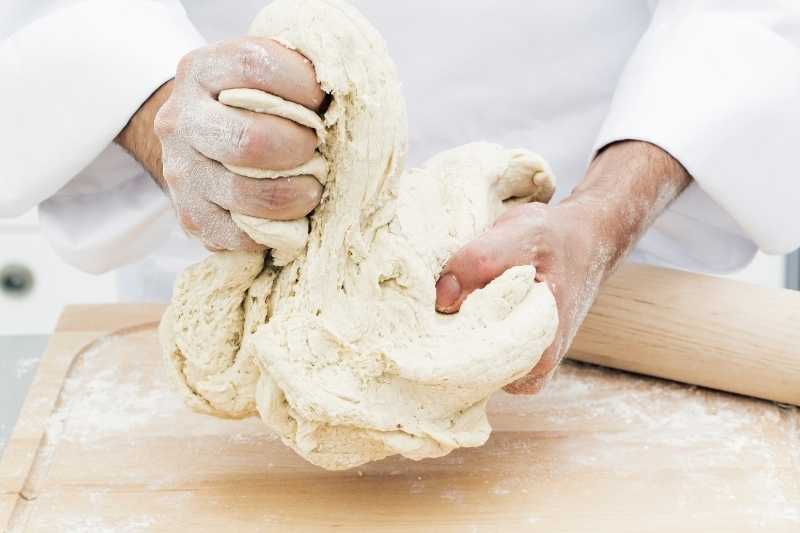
[{"x": 716, "y": 83}]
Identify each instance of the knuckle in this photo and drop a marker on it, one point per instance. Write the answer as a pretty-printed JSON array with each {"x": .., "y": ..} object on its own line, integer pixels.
[
  {"x": 187, "y": 65},
  {"x": 480, "y": 260},
  {"x": 247, "y": 142},
  {"x": 256, "y": 58},
  {"x": 248, "y": 62},
  {"x": 486, "y": 267}
]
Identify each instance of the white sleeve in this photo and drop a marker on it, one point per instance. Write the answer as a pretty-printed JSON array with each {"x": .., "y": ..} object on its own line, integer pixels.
[
  {"x": 111, "y": 214},
  {"x": 72, "y": 78},
  {"x": 716, "y": 83}
]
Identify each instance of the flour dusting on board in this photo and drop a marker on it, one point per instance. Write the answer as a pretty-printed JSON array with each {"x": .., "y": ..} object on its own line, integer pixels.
[
  {"x": 119, "y": 432},
  {"x": 101, "y": 399},
  {"x": 96, "y": 524},
  {"x": 637, "y": 418},
  {"x": 113, "y": 389}
]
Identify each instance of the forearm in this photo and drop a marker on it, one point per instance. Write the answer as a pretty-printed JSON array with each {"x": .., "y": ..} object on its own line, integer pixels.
[
  {"x": 626, "y": 187},
  {"x": 139, "y": 138}
]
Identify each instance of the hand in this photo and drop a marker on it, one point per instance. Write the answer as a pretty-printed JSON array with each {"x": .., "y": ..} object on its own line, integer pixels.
[
  {"x": 574, "y": 245},
  {"x": 558, "y": 242},
  {"x": 197, "y": 133}
]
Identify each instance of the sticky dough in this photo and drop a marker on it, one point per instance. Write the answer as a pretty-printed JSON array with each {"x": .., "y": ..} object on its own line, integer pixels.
[{"x": 340, "y": 351}]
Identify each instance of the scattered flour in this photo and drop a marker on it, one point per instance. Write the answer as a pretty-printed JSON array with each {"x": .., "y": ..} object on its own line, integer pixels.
[{"x": 25, "y": 366}]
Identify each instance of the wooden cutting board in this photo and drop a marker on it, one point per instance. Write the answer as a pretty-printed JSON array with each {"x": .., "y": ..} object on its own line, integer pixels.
[{"x": 105, "y": 444}]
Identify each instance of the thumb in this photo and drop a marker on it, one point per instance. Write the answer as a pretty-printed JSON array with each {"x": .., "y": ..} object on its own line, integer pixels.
[{"x": 472, "y": 267}]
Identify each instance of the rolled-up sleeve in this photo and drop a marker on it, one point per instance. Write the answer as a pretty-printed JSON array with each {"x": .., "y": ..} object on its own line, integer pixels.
[
  {"x": 717, "y": 85},
  {"x": 71, "y": 79}
]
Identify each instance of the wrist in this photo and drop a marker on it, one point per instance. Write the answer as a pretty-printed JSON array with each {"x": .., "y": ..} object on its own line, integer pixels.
[
  {"x": 626, "y": 187},
  {"x": 138, "y": 136},
  {"x": 595, "y": 239}
]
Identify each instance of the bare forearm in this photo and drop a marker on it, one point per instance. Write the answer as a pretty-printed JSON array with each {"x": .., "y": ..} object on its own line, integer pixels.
[
  {"x": 626, "y": 187},
  {"x": 138, "y": 136}
]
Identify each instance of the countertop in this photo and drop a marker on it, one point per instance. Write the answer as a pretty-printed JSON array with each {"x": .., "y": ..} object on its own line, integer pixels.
[
  {"x": 108, "y": 444},
  {"x": 19, "y": 356}
]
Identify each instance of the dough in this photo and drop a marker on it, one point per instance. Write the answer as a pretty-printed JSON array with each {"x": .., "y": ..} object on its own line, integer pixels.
[{"x": 341, "y": 351}]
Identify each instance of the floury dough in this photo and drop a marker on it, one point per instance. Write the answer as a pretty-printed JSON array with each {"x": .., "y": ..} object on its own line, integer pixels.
[{"x": 341, "y": 351}]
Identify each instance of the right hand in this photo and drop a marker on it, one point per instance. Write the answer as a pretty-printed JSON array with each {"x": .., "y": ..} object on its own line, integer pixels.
[{"x": 198, "y": 133}]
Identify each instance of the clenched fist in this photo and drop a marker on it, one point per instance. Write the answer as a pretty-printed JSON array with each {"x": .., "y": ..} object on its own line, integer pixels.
[{"x": 198, "y": 134}]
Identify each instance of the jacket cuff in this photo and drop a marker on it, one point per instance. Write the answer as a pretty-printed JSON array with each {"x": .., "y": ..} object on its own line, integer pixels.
[{"x": 719, "y": 93}]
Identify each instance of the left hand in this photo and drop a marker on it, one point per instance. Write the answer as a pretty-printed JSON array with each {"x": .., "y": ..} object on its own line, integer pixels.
[{"x": 555, "y": 240}]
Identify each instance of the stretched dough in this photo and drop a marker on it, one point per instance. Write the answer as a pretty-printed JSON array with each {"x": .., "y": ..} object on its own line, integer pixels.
[{"x": 341, "y": 351}]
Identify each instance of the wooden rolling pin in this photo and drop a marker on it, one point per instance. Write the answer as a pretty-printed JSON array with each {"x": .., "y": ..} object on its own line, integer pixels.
[{"x": 696, "y": 329}]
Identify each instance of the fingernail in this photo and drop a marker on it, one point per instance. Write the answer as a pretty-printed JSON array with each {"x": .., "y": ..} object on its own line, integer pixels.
[{"x": 448, "y": 289}]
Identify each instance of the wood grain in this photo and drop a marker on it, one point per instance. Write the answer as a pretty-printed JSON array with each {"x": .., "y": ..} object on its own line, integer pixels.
[
  {"x": 105, "y": 444},
  {"x": 697, "y": 329}
]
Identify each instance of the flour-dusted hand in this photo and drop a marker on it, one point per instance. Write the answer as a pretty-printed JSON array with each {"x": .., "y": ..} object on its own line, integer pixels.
[
  {"x": 200, "y": 136},
  {"x": 574, "y": 245},
  {"x": 557, "y": 240}
]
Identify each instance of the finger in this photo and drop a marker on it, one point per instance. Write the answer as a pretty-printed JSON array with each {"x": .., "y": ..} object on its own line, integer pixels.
[
  {"x": 529, "y": 384},
  {"x": 244, "y": 138},
  {"x": 213, "y": 226},
  {"x": 275, "y": 199},
  {"x": 475, "y": 265},
  {"x": 256, "y": 63},
  {"x": 222, "y": 232},
  {"x": 541, "y": 373}
]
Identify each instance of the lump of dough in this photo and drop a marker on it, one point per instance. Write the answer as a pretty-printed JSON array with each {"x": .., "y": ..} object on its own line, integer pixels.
[{"x": 340, "y": 351}]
